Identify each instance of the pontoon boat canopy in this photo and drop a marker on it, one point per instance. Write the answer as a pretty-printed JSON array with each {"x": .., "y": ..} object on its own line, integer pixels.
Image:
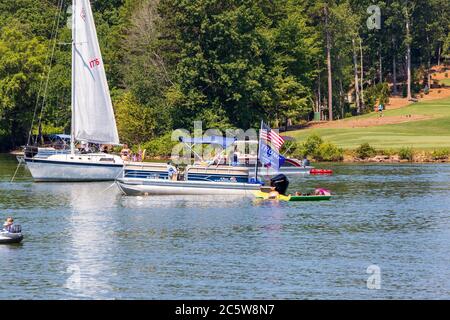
[{"x": 222, "y": 141}]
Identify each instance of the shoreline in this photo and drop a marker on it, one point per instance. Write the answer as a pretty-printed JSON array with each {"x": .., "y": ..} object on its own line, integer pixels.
[
  {"x": 419, "y": 158},
  {"x": 416, "y": 157},
  {"x": 382, "y": 160}
]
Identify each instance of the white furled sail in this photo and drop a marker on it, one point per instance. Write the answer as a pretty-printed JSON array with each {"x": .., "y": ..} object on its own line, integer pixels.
[{"x": 92, "y": 112}]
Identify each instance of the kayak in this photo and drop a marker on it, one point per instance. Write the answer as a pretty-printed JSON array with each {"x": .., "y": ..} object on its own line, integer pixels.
[
  {"x": 8, "y": 237},
  {"x": 309, "y": 198},
  {"x": 320, "y": 171},
  {"x": 265, "y": 196}
]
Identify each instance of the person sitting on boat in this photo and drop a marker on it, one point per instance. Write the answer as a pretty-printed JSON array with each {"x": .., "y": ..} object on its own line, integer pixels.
[
  {"x": 86, "y": 149},
  {"x": 305, "y": 162},
  {"x": 125, "y": 153},
  {"x": 172, "y": 171},
  {"x": 59, "y": 144},
  {"x": 8, "y": 225}
]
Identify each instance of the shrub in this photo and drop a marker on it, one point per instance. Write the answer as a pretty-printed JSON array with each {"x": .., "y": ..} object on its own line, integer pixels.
[
  {"x": 311, "y": 145},
  {"x": 426, "y": 90},
  {"x": 289, "y": 148},
  {"x": 329, "y": 152},
  {"x": 388, "y": 152},
  {"x": 161, "y": 146},
  {"x": 404, "y": 91},
  {"x": 440, "y": 154},
  {"x": 446, "y": 74},
  {"x": 379, "y": 92},
  {"x": 406, "y": 153},
  {"x": 348, "y": 115},
  {"x": 316, "y": 148},
  {"x": 365, "y": 151},
  {"x": 415, "y": 87}
]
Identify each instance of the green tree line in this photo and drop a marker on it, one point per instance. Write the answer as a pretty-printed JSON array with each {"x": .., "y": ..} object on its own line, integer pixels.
[{"x": 228, "y": 63}]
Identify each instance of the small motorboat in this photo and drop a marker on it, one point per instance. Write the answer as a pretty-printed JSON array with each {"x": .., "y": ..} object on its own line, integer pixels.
[{"x": 15, "y": 236}]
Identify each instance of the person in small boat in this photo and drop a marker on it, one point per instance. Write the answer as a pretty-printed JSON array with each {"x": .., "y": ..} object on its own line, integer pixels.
[
  {"x": 172, "y": 171},
  {"x": 8, "y": 225}
]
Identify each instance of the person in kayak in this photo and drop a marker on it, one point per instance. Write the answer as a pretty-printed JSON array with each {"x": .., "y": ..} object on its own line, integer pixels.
[
  {"x": 8, "y": 225},
  {"x": 322, "y": 192},
  {"x": 273, "y": 194}
]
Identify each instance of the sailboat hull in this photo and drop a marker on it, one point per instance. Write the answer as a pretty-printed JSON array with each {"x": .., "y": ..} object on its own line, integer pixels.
[{"x": 60, "y": 170}]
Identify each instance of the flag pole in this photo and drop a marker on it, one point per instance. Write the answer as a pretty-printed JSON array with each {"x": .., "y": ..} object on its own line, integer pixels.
[{"x": 257, "y": 153}]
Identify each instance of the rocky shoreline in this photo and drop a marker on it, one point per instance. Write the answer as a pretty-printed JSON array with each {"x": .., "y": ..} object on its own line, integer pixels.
[{"x": 418, "y": 158}]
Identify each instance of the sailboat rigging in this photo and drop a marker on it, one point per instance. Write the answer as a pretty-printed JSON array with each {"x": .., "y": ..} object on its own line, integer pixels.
[{"x": 92, "y": 112}]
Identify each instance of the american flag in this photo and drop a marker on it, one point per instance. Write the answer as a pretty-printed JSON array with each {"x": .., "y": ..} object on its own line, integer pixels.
[{"x": 271, "y": 136}]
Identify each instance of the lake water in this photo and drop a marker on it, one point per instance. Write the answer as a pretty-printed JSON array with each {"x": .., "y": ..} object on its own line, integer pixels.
[{"x": 87, "y": 241}]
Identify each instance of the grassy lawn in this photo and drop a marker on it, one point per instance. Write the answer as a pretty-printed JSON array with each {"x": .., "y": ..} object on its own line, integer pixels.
[
  {"x": 445, "y": 81},
  {"x": 424, "y": 135}
]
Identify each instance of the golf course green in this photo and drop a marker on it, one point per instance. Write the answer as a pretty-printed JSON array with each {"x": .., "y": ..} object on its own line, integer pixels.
[{"x": 430, "y": 132}]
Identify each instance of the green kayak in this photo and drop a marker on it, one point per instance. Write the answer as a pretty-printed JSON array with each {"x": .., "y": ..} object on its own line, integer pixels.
[{"x": 309, "y": 198}]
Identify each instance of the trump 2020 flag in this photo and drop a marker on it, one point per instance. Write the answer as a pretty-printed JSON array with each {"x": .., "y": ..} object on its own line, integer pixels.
[{"x": 268, "y": 155}]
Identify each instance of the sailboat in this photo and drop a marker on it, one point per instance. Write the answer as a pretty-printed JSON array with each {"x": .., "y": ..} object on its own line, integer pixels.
[{"x": 92, "y": 112}]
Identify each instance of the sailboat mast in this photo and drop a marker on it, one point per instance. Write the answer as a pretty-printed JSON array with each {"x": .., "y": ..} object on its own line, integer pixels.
[{"x": 72, "y": 129}]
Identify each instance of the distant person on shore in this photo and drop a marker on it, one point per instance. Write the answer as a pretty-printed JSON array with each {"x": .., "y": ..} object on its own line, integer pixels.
[
  {"x": 380, "y": 109},
  {"x": 125, "y": 153}
]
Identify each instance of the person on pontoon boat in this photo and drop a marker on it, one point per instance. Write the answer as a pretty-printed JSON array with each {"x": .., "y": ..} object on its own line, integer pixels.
[
  {"x": 305, "y": 162},
  {"x": 172, "y": 171}
]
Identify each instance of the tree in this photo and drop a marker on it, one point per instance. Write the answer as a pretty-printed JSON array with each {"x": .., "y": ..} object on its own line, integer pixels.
[
  {"x": 21, "y": 69},
  {"x": 408, "y": 40},
  {"x": 236, "y": 61},
  {"x": 136, "y": 123}
]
